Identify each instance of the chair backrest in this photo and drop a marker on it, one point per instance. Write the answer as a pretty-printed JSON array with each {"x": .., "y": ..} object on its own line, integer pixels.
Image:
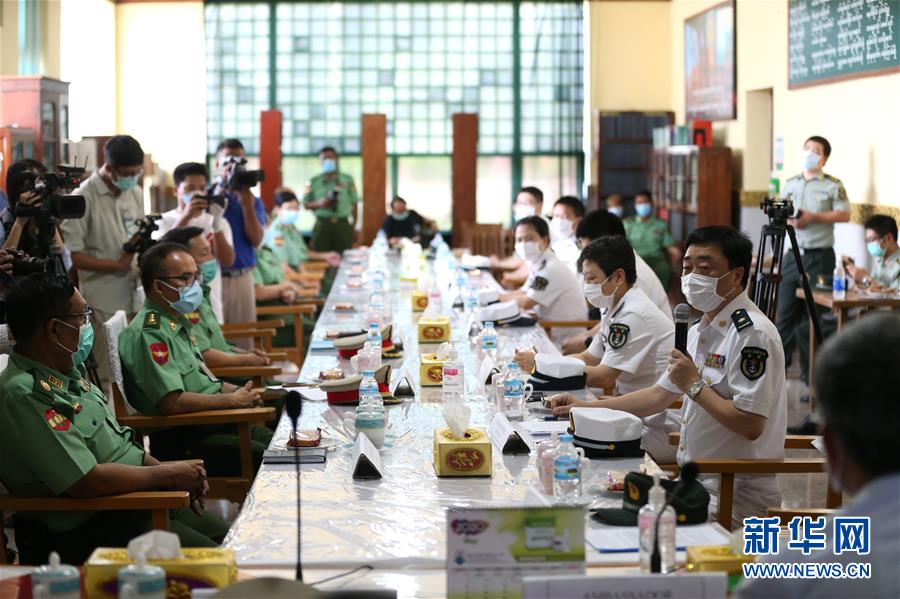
[
  {"x": 113, "y": 328},
  {"x": 485, "y": 240}
]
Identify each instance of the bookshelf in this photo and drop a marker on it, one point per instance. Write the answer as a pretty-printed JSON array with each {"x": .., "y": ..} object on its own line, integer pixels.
[{"x": 692, "y": 186}]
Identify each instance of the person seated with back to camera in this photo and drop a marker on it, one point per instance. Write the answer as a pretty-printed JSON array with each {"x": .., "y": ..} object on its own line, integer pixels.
[
  {"x": 631, "y": 351},
  {"x": 552, "y": 292},
  {"x": 735, "y": 401}
]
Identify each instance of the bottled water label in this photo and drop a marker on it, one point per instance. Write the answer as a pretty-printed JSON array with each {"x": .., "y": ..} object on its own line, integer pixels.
[
  {"x": 513, "y": 388},
  {"x": 488, "y": 342},
  {"x": 839, "y": 284},
  {"x": 566, "y": 468}
]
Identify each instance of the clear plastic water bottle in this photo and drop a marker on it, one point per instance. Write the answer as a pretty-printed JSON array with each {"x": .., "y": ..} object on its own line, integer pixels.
[
  {"x": 546, "y": 453},
  {"x": 460, "y": 284},
  {"x": 369, "y": 395},
  {"x": 647, "y": 527},
  {"x": 434, "y": 300},
  {"x": 489, "y": 341},
  {"x": 839, "y": 284},
  {"x": 514, "y": 392},
  {"x": 473, "y": 325},
  {"x": 566, "y": 472},
  {"x": 374, "y": 334},
  {"x": 453, "y": 382}
]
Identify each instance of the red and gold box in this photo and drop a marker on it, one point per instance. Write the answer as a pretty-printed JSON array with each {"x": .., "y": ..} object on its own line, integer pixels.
[
  {"x": 434, "y": 330},
  {"x": 470, "y": 456},
  {"x": 419, "y": 300},
  {"x": 431, "y": 371}
]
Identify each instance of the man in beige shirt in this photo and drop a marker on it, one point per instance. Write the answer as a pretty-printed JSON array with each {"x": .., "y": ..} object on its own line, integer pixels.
[{"x": 113, "y": 202}]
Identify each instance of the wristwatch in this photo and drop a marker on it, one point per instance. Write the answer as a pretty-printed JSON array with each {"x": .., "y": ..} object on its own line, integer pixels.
[{"x": 694, "y": 390}]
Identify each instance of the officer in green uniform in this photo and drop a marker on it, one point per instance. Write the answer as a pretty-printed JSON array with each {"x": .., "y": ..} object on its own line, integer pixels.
[
  {"x": 881, "y": 243},
  {"x": 272, "y": 289},
  {"x": 59, "y": 437},
  {"x": 651, "y": 239},
  {"x": 164, "y": 373},
  {"x": 332, "y": 195},
  {"x": 820, "y": 201}
]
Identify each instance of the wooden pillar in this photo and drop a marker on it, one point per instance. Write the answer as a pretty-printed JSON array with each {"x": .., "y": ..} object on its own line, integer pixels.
[
  {"x": 270, "y": 154},
  {"x": 374, "y": 166},
  {"x": 465, "y": 174}
]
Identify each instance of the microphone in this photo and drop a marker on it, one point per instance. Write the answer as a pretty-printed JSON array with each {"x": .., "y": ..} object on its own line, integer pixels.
[
  {"x": 682, "y": 320},
  {"x": 293, "y": 403},
  {"x": 689, "y": 474}
]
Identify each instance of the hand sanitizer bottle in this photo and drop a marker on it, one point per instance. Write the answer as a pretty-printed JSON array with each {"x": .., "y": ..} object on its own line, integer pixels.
[{"x": 647, "y": 527}]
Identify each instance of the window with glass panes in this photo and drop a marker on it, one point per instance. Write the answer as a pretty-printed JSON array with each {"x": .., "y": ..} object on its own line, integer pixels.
[{"x": 517, "y": 64}]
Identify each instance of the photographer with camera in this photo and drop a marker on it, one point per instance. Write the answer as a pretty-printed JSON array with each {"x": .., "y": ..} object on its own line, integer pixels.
[
  {"x": 113, "y": 202},
  {"x": 246, "y": 215},
  {"x": 332, "y": 195},
  {"x": 197, "y": 209},
  {"x": 821, "y": 201}
]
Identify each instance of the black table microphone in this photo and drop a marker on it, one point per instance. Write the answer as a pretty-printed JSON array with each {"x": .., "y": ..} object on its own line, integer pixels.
[
  {"x": 682, "y": 322},
  {"x": 293, "y": 403},
  {"x": 689, "y": 474}
]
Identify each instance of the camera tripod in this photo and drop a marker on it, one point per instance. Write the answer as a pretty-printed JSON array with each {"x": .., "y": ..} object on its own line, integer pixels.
[{"x": 767, "y": 280}]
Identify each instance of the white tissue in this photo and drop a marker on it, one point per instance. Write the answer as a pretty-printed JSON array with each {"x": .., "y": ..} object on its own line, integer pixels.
[
  {"x": 443, "y": 351},
  {"x": 156, "y": 544},
  {"x": 457, "y": 418}
]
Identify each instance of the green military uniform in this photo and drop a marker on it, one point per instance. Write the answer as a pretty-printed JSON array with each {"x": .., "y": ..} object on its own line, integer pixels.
[
  {"x": 332, "y": 231},
  {"x": 822, "y": 193},
  {"x": 205, "y": 327},
  {"x": 54, "y": 429},
  {"x": 287, "y": 243},
  {"x": 160, "y": 355},
  {"x": 268, "y": 272},
  {"x": 650, "y": 239},
  {"x": 886, "y": 270}
]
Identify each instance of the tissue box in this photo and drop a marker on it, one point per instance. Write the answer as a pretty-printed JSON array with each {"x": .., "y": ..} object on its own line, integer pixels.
[
  {"x": 419, "y": 301},
  {"x": 200, "y": 568},
  {"x": 462, "y": 457},
  {"x": 716, "y": 558},
  {"x": 431, "y": 371},
  {"x": 434, "y": 330}
]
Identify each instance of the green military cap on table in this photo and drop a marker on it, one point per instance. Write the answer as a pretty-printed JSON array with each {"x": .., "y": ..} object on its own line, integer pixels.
[{"x": 691, "y": 504}]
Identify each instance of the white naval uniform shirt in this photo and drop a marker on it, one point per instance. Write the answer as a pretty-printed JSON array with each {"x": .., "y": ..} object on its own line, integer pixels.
[
  {"x": 747, "y": 367},
  {"x": 556, "y": 290},
  {"x": 636, "y": 338}
]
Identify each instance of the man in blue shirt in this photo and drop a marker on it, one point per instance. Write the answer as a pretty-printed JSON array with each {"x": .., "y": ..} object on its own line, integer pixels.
[{"x": 247, "y": 216}]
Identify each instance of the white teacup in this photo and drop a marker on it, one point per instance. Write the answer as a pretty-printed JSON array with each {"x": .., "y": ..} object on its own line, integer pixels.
[{"x": 371, "y": 424}]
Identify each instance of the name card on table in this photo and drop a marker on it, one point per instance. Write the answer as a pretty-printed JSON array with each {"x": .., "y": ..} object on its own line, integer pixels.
[
  {"x": 401, "y": 385},
  {"x": 706, "y": 585},
  {"x": 504, "y": 436},
  {"x": 490, "y": 550},
  {"x": 487, "y": 369},
  {"x": 366, "y": 459}
]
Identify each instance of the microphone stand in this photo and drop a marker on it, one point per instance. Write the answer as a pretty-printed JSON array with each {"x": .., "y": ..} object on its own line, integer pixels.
[{"x": 294, "y": 406}]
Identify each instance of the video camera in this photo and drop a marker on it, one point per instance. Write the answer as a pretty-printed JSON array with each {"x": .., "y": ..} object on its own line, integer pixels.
[
  {"x": 24, "y": 265},
  {"x": 240, "y": 177},
  {"x": 52, "y": 189},
  {"x": 142, "y": 240},
  {"x": 779, "y": 210}
]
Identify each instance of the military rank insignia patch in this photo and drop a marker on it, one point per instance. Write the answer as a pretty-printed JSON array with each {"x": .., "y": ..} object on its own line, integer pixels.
[
  {"x": 714, "y": 360},
  {"x": 539, "y": 283},
  {"x": 279, "y": 241},
  {"x": 741, "y": 319},
  {"x": 55, "y": 381},
  {"x": 57, "y": 421},
  {"x": 618, "y": 335},
  {"x": 151, "y": 321},
  {"x": 160, "y": 353},
  {"x": 753, "y": 362},
  {"x": 173, "y": 326},
  {"x": 193, "y": 317}
]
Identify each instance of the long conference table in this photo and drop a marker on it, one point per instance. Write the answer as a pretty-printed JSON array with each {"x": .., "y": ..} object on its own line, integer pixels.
[{"x": 395, "y": 525}]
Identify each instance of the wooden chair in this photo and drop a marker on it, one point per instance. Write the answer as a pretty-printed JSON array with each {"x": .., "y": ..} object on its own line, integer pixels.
[
  {"x": 297, "y": 353},
  {"x": 547, "y": 325},
  {"x": 157, "y": 502},
  {"x": 485, "y": 240},
  {"x": 727, "y": 468},
  {"x": 231, "y": 488}
]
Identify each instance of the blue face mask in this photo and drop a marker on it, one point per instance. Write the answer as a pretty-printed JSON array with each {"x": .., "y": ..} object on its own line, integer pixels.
[
  {"x": 875, "y": 249},
  {"x": 85, "y": 343},
  {"x": 189, "y": 298},
  {"x": 288, "y": 217},
  {"x": 401, "y": 215},
  {"x": 643, "y": 210},
  {"x": 208, "y": 269},
  {"x": 329, "y": 165},
  {"x": 126, "y": 183}
]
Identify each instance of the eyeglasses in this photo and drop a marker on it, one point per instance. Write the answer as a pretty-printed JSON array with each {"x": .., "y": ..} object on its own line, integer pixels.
[
  {"x": 83, "y": 317},
  {"x": 188, "y": 278}
]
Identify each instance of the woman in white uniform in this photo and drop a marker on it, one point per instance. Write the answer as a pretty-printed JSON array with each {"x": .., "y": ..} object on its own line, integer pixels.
[{"x": 552, "y": 292}]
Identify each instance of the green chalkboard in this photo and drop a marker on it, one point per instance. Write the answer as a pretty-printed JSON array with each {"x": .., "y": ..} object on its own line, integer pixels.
[{"x": 830, "y": 40}]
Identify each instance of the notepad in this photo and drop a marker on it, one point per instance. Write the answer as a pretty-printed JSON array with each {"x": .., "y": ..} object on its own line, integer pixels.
[
  {"x": 624, "y": 539},
  {"x": 544, "y": 428}
]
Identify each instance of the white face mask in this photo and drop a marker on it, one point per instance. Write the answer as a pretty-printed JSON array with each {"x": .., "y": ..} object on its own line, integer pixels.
[
  {"x": 700, "y": 291},
  {"x": 617, "y": 210},
  {"x": 529, "y": 251},
  {"x": 809, "y": 160},
  {"x": 523, "y": 211},
  {"x": 561, "y": 229},
  {"x": 594, "y": 294}
]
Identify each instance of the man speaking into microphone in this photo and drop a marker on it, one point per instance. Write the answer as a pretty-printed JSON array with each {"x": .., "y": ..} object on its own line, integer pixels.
[{"x": 732, "y": 376}]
